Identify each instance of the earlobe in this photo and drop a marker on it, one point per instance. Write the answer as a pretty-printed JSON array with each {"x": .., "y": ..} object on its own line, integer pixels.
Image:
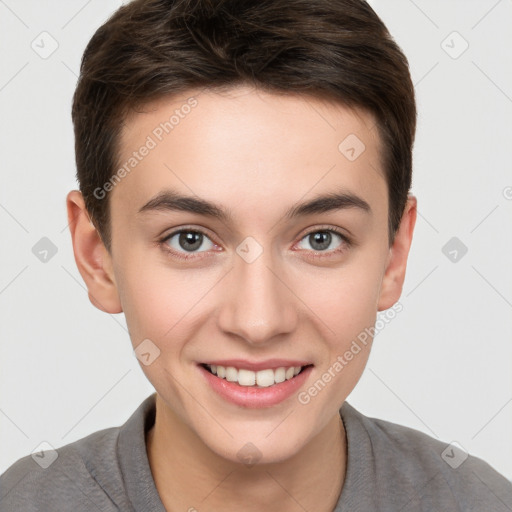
[
  {"x": 92, "y": 258},
  {"x": 396, "y": 264}
]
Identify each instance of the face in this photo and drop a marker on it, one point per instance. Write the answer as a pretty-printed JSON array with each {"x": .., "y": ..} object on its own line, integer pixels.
[{"x": 252, "y": 280}]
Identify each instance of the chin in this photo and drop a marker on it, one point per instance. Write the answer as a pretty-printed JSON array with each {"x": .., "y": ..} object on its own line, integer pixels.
[{"x": 257, "y": 450}]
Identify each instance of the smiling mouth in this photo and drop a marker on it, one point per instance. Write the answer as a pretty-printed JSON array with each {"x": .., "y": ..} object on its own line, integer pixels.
[{"x": 257, "y": 379}]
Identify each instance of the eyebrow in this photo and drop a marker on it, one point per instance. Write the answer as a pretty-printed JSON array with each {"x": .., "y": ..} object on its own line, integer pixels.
[{"x": 170, "y": 200}]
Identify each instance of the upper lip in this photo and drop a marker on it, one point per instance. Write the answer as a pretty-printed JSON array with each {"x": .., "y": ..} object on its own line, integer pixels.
[{"x": 272, "y": 364}]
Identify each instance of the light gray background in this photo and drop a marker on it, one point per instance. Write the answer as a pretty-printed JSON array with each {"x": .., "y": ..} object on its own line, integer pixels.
[{"x": 442, "y": 366}]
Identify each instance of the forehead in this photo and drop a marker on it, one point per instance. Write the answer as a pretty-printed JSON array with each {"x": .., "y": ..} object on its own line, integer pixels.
[{"x": 244, "y": 144}]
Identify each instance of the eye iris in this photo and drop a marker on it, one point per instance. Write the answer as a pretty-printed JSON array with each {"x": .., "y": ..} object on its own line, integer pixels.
[
  {"x": 190, "y": 237},
  {"x": 323, "y": 238}
]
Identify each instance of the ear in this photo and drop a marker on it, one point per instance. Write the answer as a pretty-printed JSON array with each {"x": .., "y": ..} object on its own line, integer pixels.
[
  {"x": 92, "y": 258},
  {"x": 392, "y": 283}
]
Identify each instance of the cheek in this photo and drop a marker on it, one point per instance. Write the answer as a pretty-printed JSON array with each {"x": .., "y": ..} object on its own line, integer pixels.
[
  {"x": 344, "y": 299},
  {"x": 161, "y": 303},
  {"x": 152, "y": 301},
  {"x": 345, "y": 303},
  {"x": 345, "y": 306},
  {"x": 157, "y": 306}
]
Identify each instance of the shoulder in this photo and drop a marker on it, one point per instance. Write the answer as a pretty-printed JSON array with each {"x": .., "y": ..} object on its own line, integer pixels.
[
  {"x": 62, "y": 478},
  {"x": 412, "y": 467}
]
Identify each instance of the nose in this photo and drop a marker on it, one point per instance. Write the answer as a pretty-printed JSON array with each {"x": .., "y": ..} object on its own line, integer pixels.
[{"x": 258, "y": 304}]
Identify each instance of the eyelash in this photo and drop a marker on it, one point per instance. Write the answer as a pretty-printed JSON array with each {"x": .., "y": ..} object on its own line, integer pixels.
[{"x": 315, "y": 254}]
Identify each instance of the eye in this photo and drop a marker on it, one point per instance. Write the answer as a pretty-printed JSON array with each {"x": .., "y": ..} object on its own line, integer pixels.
[
  {"x": 322, "y": 240},
  {"x": 184, "y": 241}
]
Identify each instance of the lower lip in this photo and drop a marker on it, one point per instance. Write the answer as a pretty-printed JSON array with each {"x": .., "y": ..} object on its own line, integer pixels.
[{"x": 253, "y": 397}]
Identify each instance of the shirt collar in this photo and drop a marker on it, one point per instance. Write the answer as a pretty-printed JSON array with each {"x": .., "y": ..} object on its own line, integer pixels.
[{"x": 133, "y": 458}]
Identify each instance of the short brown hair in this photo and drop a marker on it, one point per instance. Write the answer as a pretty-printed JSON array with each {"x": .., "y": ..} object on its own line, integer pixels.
[{"x": 148, "y": 49}]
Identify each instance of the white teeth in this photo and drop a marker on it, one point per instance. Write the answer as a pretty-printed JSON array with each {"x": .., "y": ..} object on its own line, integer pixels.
[
  {"x": 265, "y": 378},
  {"x": 280, "y": 375},
  {"x": 246, "y": 378},
  {"x": 231, "y": 374},
  {"x": 262, "y": 378}
]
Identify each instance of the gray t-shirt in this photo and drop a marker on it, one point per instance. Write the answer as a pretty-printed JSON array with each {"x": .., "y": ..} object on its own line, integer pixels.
[{"x": 390, "y": 468}]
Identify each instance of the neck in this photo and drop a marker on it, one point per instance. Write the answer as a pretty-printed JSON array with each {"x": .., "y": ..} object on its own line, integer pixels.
[{"x": 188, "y": 475}]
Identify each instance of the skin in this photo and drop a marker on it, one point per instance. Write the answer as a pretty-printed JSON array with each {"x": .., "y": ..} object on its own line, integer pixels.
[{"x": 256, "y": 154}]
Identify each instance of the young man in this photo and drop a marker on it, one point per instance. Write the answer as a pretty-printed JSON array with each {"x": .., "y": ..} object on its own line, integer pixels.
[{"x": 244, "y": 174}]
